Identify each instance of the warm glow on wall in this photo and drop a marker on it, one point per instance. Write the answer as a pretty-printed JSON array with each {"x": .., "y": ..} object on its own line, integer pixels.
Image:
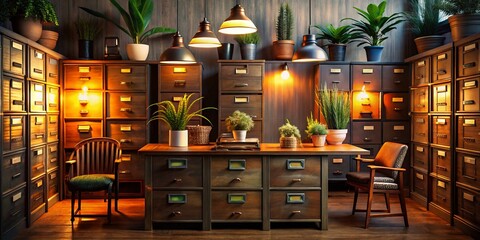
[
  {"x": 363, "y": 96},
  {"x": 83, "y": 96}
]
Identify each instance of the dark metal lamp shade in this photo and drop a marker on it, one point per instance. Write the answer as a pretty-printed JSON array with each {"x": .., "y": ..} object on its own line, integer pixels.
[
  {"x": 309, "y": 51},
  {"x": 204, "y": 38},
  {"x": 237, "y": 22},
  {"x": 177, "y": 53}
]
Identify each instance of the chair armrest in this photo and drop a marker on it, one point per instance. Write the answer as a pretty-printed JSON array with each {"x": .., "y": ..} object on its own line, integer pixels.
[
  {"x": 365, "y": 160},
  {"x": 386, "y": 168},
  {"x": 71, "y": 162}
]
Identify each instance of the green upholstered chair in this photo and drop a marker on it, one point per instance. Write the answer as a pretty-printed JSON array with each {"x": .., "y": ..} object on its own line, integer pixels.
[
  {"x": 93, "y": 166},
  {"x": 385, "y": 176}
]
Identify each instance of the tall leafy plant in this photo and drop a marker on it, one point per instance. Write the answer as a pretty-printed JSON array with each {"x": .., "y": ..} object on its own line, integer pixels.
[
  {"x": 340, "y": 35},
  {"x": 136, "y": 19},
  {"x": 334, "y": 106},
  {"x": 284, "y": 22},
  {"x": 424, "y": 17}
]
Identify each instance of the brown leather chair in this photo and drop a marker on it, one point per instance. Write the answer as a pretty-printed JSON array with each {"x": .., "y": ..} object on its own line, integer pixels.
[
  {"x": 385, "y": 176},
  {"x": 93, "y": 166}
]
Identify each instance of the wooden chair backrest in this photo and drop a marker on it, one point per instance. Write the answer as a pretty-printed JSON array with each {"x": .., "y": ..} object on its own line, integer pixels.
[
  {"x": 391, "y": 155},
  {"x": 96, "y": 156}
]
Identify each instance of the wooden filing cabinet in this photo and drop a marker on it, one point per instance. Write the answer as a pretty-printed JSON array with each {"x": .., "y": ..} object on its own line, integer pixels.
[
  {"x": 15, "y": 171},
  {"x": 468, "y": 132},
  {"x": 369, "y": 76},
  {"x": 52, "y": 69},
  {"x": 420, "y": 154},
  {"x": 338, "y": 166},
  {"x": 420, "y": 128},
  {"x": 395, "y": 78},
  {"x": 36, "y": 64},
  {"x": 37, "y": 97},
  {"x": 441, "y": 97},
  {"x": 420, "y": 99},
  {"x": 13, "y": 91},
  {"x": 421, "y": 71},
  {"x": 396, "y": 106},
  {"x": 130, "y": 134},
  {"x": 125, "y": 105},
  {"x": 441, "y": 162},
  {"x": 468, "y": 61},
  {"x": 236, "y": 206},
  {"x": 333, "y": 75},
  {"x": 442, "y": 66},
  {"x": 13, "y": 56},
  {"x": 468, "y": 169},
  {"x": 367, "y": 133},
  {"x": 177, "y": 206},
  {"x": 396, "y": 131},
  {"x": 77, "y": 76},
  {"x": 441, "y": 127},
  {"x": 468, "y": 208},
  {"x": 80, "y": 130},
  {"x": 14, "y": 131},
  {"x": 441, "y": 190},
  {"x": 469, "y": 95}
]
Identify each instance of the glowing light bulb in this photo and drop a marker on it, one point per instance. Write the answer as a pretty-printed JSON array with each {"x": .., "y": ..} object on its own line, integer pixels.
[
  {"x": 285, "y": 73},
  {"x": 363, "y": 95},
  {"x": 83, "y": 96}
]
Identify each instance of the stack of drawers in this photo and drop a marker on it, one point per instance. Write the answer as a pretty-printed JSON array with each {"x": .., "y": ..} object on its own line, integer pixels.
[{"x": 241, "y": 88}]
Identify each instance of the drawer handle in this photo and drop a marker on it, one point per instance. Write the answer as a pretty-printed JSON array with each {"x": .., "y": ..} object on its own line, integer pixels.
[
  {"x": 38, "y": 198},
  {"x": 129, "y": 110},
  {"x": 397, "y": 109},
  {"x": 419, "y": 161},
  {"x": 53, "y": 160},
  {"x": 38, "y": 103},
  {"x": 180, "y": 83},
  {"x": 17, "y": 139},
  {"x": 469, "y": 65},
  {"x": 397, "y": 81},
  {"x": 469, "y": 139},
  {"x": 16, "y": 64},
  {"x": 442, "y": 135},
  {"x": 175, "y": 213},
  {"x": 84, "y": 111},
  {"x": 237, "y": 179},
  {"x": 335, "y": 82},
  {"x": 420, "y": 188},
  {"x": 420, "y": 105},
  {"x": 16, "y": 213},
  {"x": 441, "y": 197},
  {"x": 367, "y": 139},
  {"x": 296, "y": 180},
  {"x": 367, "y": 82},
  {"x": 337, "y": 172},
  {"x": 469, "y": 102},
  {"x": 39, "y": 135},
  {"x": 84, "y": 78},
  {"x": 296, "y": 212},
  {"x": 126, "y": 70},
  {"x": 442, "y": 104},
  {"x": 39, "y": 167},
  {"x": 16, "y": 175},
  {"x": 126, "y": 83},
  {"x": 419, "y": 77},
  {"x": 17, "y": 102},
  {"x": 469, "y": 177},
  {"x": 53, "y": 133},
  {"x": 36, "y": 70},
  {"x": 53, "y": 75},
  {"x": 253, "y": 116},
  {"x": 395, "y": 138},
  {"x": 237, "y": 213},
  {"x": 420, "y": 134},
  {"x": 177, "y": 180},
  {"x": 442, "y": 168},
  {"x": 124, "y": 172},
  {"x": 125, "y": 140},
  {"x": 241, "y": 85},
  {"x": 442, "y": 72}
]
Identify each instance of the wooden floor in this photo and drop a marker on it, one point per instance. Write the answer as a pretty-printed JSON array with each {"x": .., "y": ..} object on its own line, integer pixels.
[{"x": 342, "y": 225}]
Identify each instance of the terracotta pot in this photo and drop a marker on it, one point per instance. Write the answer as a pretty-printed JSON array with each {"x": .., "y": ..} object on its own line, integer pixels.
[
  {"x": 48, "y": 39},
  {"x": 318, "y": 140},
  {"x": 137, "y": 52},
  {"x": 239, "y": 134},
  {"x": 464, "y": 25},
  {"x": 31, "y": 29},
  {"x": 428, "y": 42},
  {"x": 283, "y": 49},
  {"x": 288, "y": 142},
  {"x": 178, "y": 138},
  {"x": 336, "y": 136}
]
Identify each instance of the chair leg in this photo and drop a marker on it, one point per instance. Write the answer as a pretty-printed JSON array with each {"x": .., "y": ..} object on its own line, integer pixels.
[
  {"x": 404, "y": 207},
  {"x": 109, "y": 210},
  {"x": 355, "y": 197},
  {"x": 369, "y": 207},
  {"x": 117, "y": 186},
  {"x": 387, "y": 201},
  {"x": 72, "y": 218},
  {"x": 79, "y": 201}
]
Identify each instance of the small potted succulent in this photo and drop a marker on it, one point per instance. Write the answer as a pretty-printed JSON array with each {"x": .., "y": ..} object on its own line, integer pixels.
[
  {"x": 239, "y": 123},
  {"x": 248, "y": 45},
  {"x": 338, "y": 38},
  {"x": 317, "y": 131},
  {"x": 284, "y": 46},
  {"x": 289, "y": 135}
]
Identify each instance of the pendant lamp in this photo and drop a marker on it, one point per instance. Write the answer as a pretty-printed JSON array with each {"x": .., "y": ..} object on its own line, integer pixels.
[
  {"x": 204, "y": 38},
  {"x": 237, "y": 22},
  {"x": 177, "y": 53},
  {"x": 309, "y": 51}
]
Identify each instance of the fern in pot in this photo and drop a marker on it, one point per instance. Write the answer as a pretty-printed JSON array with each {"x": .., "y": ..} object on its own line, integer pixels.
[
  {"x": 335, "y": 108},
  {"x": 239, "y": 123},
  {"x": 316, "y": 131},
  {"x": 289, "y": 135},
  {"x": 284, "y": 46}
]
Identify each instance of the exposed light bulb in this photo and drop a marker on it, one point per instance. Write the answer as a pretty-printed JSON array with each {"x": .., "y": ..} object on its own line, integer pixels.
[{"x": 285, "y": 72}]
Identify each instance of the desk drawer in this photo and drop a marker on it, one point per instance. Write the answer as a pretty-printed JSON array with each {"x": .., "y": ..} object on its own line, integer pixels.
[
  {"x": 334, "y": 76},
  {"x": 420, "y": 156},
  {"x": 420, "y": 180},
  {"x": 441, "y": 160},
  {"x": 13, "y": 133},
  {"x": 53, "y": 179},
  {"x": 13, "y": 208},
  {"x": 13, "y": 173},
  {"x": 421, "y": 72},
  {"x": 38, "y": 157},
  {"x": 131, "y": 134},
  {"x": 441, "y": 130},
  {"x": 13, "y": 95},
  {"x": 369, "y": 76},
  {"x": 177, "y": 205},
  {"x": 396, "y": 106},
  {"x": 469, "y": 100},
  {"x": 396, "y": 132},
  {"x": 13, "y": 56},
  {"x": 395, "y": 77},
  {"x": 468, "y": 61},
  {"x": 53, "y": 99},
  {"x": 127, "y": 77},
  {"x": 37, "y": 195},
  {"x": 338, "y": 166},
  {"x": 468, "y": 202},
  {"x": 37, "y": 97},
  {"x": 469, "y": 132},
  {"x": 419, "y": 99},
  {"x": 38, "y": 129},
  {"x": 241, "y": 71},
  {"x": 126, "y": 105},
  {"x": 441, "y": 97},
  {"x": 78, "y": 107},
  {"x": 250, "y": 104},
  {"x": 295, "y": 204},
  {"x": 80, "y": 75},
  {"x": 420, "y": 128},
  {"x": 37, "y": 64},
  {"x": 366, "y": 107},
  {"x": 52, "y": 70},
  {"x": 52, "y": 156},
  {"x": 468, "y": 169},
  {"x": 185, "y": 78},
  {"x": 75, "y": 131},
  {"x": 295, "y": 171},
  {"x": 177, "y": 171},
  {"x": 239, "y": 85},
  {"x": 236, "y": 171},
  {"x": 53, "y": 129},
  {"x": 366, "y": 132},
  {"x": 442, "y": 66},
  {"x": 236, "y": 205},
  {"x": 441, "y": 193}
]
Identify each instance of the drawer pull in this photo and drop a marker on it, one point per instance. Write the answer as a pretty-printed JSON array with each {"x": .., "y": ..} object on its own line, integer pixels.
[
  {"x": 53, "y": 160},
  {"x": 17, "y": 102},
  {"x": 177, "y": 163},
  {"x": 237, "y": 198},
  {"x": 16, "y": 197},
  {"x": 442, "y": 72},
  {"x": 53, "y": 175},
  {"x": 237, "y": 164},
  {"x": 367, "y": 139},
  {"x": 397, "y": 109},
  {"x": 470, "y": 177},
  {"x": 469, "y": 139},
  {"x": 469, "y": 102},
  {"x": 15, "y": 140},
  {"x": 442, "y": 168},
  {"x": 420, "y": 134},
  {"x": 237, "y": 179},
  {"x": 16, "y": 175},
  {"x": 16, "y": 213},
  {"x": 177, "y": 180},
  {"x": 296, "y": 180},
  {"x": 419, "y": 77},
  {"x": 440, "y": 197},
  {"x": 39, "y": 135},
  {"x": 397, "y": 82},
  {"x": 83, "y": 69},
  {"x": 36, "y": 70},
  {"x": 337, "y": 172},
  {"x": 469, "y": 65},
  {"x": 39, "y": 167},
  {"x": 179, "y": 83},
  {"x": 84, "y": 128},
  {"x": 125, "y": 98},
  {"x": 125, "y": 172},
  {"x": 442, "y": 135},
  {"x": 125, "y": 140},
  {"x": 296, "y": 212},
  {"x": 53, "y": 134},
  {"x": 419, "y": 161},
  {"x": 16, "y": 64},
  {"x": 236, "y": 213},
  {"x": 84, "y": 78},
  {"x": 468, "y": 197},
  {"x": 335, "y": 82},
  {"x": 38, "y": 199},
  {"x": 421, "y": 63},
  {"x": 126, "y": 70},
  {"x": 52, "y": 75},
  {"x": 241, "y": 71},
  {"x": 52, "y": 105},
  {"x": 84, "y": 111},
  {"x": 469, "y": 123},
  {"x": 126, "y": 83},
  {"x": 177, "y": 198},
  {"x": 241, "y": 85},
  {"x": 295, "y": 164},
  {"x": 38, "y": 103},
  {"x": 296, "y": 198},
  {"x": 241, "y": 99},
  {"x": 419, "y": 176},
  {"x": 367, "y": 82},
  {"x": 175, "y": 213}
]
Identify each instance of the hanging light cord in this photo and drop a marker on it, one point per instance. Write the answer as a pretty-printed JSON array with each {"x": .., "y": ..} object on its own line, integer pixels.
[
  {"x": 205, "y": 7},
  {"x": 309, "y": 15},
  {"x": 177, "y": 16}
]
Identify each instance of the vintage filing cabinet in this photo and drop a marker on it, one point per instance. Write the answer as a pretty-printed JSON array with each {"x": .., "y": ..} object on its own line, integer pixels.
[
  {"x": 420, "y": 99},
  {"x": 421, "y": 72},
  {"x": 420, "y": 128},
  {"x": 338, "y": 166},
  {"x": 367, "y": 132},
  {"x": 38, "y": 129},
  {"x": 441, "y": 162},
  {"x": 369, "y": 76},
  {"x": 131, "y": 134},
  {"x": 80, "y": 130},
  {"x": 52, "y": 65},
  {"x": 420, "y": 156},
  {"x": 441, "y": 190},
  {"x": 469, "y": 95},
  {"x": 442, "y": 66},
  {"x": 395, "y": 78},
  {"x": 441, "y": 130},
  {"x": 82, "y": 75},
  {"x": 37, "y": 97},
  {"x": 126, "y": 77},
  {"x": 333, "y": 75},
  {"x": 468, "y": 168},
  {"x": 13, "y": 56},
  {"x": 13, "y": 94},
  {"x": 419, "y": 186},
  {"x": 125, "y": 105},
  {"x": 14, "y": 175},
  {"x": 13, "y": 133},
  {"x": 469, "y": 132},
  {"x": 468, "y": 61},
  {"x": 37, "y": 64},
  {"x": 396, "y": 131},
  {"x": 468, "y": 205},
  {"x": 441, "y": 97},
  {"x": 396, "y": 106}
]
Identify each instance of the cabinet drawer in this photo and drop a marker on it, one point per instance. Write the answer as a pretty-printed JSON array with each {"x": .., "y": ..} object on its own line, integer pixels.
[
  {"x": 441, "y": 193},
  {"x": 468, "y": 169},
  {"x": 469, "y": 91},
  {"x": 421, "y": 72},
  {"x": 420, "y": 99},
  {"x": 177, "y": 171},
  {"x": 468, "y": 61},
  {"x": 228, "y": 84},
  {"x": 177, "y": 205},
  {"x": 79, "y": 75},
  {"x": 395, "y": 77},
  {"x": 469, "y": 132},
  {"x": 441, "y": 97},
  {"x": 37, "y": 64},
  {"x": 295, "y": 171},
  {"x": 79, "y": 105},
  {"x": 420, "y": 156},
  {"x": 420, "y": 183},
  {"x": 295, "y": 204},
  {"x": 38, "y": 129},
  {"x": 13, "y": 95},
  {"x": 126, "y": 105},
  {"x": 37, "y": 97},
  {"x": 338, "y": 166},
  {"x": 441, "y": 130},
  {"x": 13, "y": 173},
  {"x": 127, "y": 77},
  {"x": 133, "y": 166},
  {"x": 38, "y": 157},
  {"x": 236, "y": 171},
  {"x": 53, "y": 179},
  {"x": 13, "y": 208},
  {"x": 396, "y": 132},
  {"x": 130, "y": 134},
  {"x": 396, "y": 106},
  {"x": 469, "y": 205},
  {"x": 37, "y": 195},
  {"x": 442, "y": 66},
  {"x": 441, "y": 162},
  {"x": 53, "y": 99},
  {"x": 52, "y": 126},
  {"x": 52, "y": 156},
  {"x": 236, "y": 205},
  {"x": 256, "y": 132},
  {"x": 250, "y": 104},
  {"x": 52, "y": 70},
  {"x": 366, "y": 105},
  {"x": 75, "y": 131},
  {"x": 420, "y": 128},
  {"x": 241, "y": 71},
  {"x": 13, "y": 56},
  {"x": 334, "y": 76},
  {"x": 13, "y": 133},
  {"x": 185, "y": 78},
  {"x": 366, "y": 132},
  {"x": 369, "y": 76}
]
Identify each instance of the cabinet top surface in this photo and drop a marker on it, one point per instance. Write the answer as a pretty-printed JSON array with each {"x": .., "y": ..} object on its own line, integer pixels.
[{"x": 265, "y": 149}]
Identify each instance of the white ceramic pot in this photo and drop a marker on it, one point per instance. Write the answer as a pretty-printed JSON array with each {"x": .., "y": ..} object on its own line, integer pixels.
[
  {"x": 178, "y": 138},
  {"x": 239, "y": 134},
  {"x": 336, "y": 136},
  {"x": 137, "y": 52},
  {"x": 318, "y": 140}
]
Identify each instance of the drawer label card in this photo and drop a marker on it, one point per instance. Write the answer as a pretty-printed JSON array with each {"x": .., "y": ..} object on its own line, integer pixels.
[
  {"x": 441, "y": 121},
  {"x": 441, "y": 153},
  {"x": 337, "y": 160},
  {"x": 367, "y": 70},
  {"x": 469, "y": 160},
  {"x": 125, "y": 98},
  {"x": 39, "y": 183},
  {"x": 421, "y": 63},
  {"x": 241, "y": 100},
  {"x": 296, "y": 198},
  {"x": 16, "y": 85},
  {"x": 335, "y": 70},
  {"x": 52, "y": 119},
  {"x": 38, "y": 120},
  {"x": 84, "y": 79},
  {"x": 469, "y": 122},
  {"x": 126, "y": 157},
  {"x": 420, "y": 120},
  {"x": 442, "y": 56},
  {"x": 53, "y": 61},
  {"x": 398, "y": 128},
  {"x": 176, "y": 99},
  {"x": 237, "y": 164},
  {"x": 420, "y": 149},
  {"x": 368, "y": 128},
  {"x": 16, "y": 197},
  {"x": 125, "y": 128},
  {"x": 419, "y": 176},
  {"x": 126, "y": 70},
  {"x": 177, "y": 198},
  {"x": 53, "y": 149},
  {"x": 84, "y": 128},
  {"x": 177, "y": 163},
  {"x": 179, "y": 70},
  {"x": 295, "y": 164},
  {"x": 38, "y": 88},
  {"x": 442, "y": 88},
  {"x": 38, "y": 55},
  {"x": 397, "y": 99},
  {"x": 398, "y": 70},
  {"x": 470, "y": 84},
  {"x": 84, "y": 70},
  {"x": 441, "y": 184},
  {"x": 17, "y": 45},
  {"x": 470, "y": 47},
  {"x": 16, "y": 160},
  {"x": 468, "y": 197},
  {"x": 240, "y": 71},
  {"x": 38, "y": 152},
  {"x": 16, "y": 121},
  {"x": 53, "y": 175},
  {"x": 237, "y": 198}
]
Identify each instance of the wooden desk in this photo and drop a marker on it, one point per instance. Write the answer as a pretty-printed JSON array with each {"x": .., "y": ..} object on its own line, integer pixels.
[{"x": 273, "y": 184}]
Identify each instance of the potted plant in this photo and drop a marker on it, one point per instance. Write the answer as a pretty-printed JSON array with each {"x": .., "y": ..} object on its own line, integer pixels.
[
  {"x": 424, "y": 23},
  {"x": 317, "y": 131},
  {"x": 372, "y": 31},
  {"x": 239, "y": 123},
  {"x": 248, "y": 45},
  {"x": 335, "y": 108},
  {"x": 177, "y": 118},
  {"x": 87, "y": 30},
  {"x": 137, "y": 20},
  {"x": 27, "y": 17},
  {"x": 289, "y": 135},
  {"x": 465, "y": 19},
  {"x": 284, "y": 46},
  {"x": 338, "y": 38}
]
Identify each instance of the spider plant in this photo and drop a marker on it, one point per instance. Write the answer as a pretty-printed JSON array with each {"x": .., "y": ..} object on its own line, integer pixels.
[{"x": 334, "y": 106}]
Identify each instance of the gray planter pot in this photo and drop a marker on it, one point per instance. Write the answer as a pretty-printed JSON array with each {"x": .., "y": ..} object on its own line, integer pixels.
[{"x": 248, "y": 51}]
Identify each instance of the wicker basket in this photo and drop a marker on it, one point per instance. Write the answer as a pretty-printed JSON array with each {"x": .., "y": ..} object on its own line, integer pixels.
[
  {"x": 288, "y": 142},
  {"x": 198, "y": 135}
]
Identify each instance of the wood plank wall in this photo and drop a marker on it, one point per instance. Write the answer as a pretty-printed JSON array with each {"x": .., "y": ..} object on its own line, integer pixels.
[{"x": 262, "y": 12}]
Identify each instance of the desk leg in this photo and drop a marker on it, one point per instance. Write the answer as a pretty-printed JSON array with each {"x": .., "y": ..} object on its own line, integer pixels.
[
  {"x": 324, "y": 193},
  {"x": 148, "y": 193}
]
